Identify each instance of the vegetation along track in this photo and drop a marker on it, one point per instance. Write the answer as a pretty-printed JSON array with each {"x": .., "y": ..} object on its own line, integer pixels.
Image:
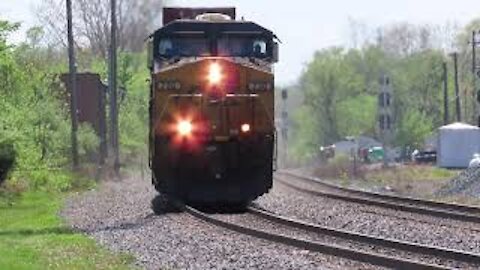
[
  {"x": 372, "y": 250},
  {"x": 432, "y": 208}
]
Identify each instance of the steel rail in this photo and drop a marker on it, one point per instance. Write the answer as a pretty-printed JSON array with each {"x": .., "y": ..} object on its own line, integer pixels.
[
  {"x": 432, "y": 208},
  {"x": 378, "y": 241},
  {"x": 428, "y": 203},
  {"x": 348, "y": 253}
]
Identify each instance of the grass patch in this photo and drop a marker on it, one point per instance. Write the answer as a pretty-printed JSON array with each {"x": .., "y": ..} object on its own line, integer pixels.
[
  {"x": 408, "y": 180},
  {"x": 33, "y": 236},
  {"x": 406, "y": 173},
  {"x": 421, "y": 181}
]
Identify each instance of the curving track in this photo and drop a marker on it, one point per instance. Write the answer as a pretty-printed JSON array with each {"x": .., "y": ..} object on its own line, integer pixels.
[
  {"x": 459, "y": 212},
  {"x": 364, "y": 248}
]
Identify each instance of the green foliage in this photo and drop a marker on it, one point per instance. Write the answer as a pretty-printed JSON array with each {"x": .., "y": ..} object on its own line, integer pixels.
[
  {"x": 340, "y": 89},
  {"x": 33, "y": 116},
  {"x": 328, "y": 81},
  {"x": 414, "y": 128},
  {"x": 305, "y": 144},
  {"x": 87, "y": 140},
  {"x": 363, "y": 107},
  {"x": 133, "y": 119}
]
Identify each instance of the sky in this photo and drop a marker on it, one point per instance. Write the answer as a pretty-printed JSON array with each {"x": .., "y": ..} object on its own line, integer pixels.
[{"x": 305, "y": 26}]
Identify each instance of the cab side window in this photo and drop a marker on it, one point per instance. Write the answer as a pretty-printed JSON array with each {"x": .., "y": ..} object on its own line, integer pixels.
[
  {"x": 259, "y": 48},
  {"x": 165, "y": 47}
]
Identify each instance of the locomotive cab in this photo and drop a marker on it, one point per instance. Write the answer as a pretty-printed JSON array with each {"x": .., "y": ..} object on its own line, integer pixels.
[{"x": 212, "y": 132}]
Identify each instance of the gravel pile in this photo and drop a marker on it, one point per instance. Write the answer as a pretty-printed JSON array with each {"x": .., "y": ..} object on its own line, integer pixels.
[
  {"x": 119, "y": 216},
  {"x": 467, "y": 183},
  {"x": 372, "y": 220}
]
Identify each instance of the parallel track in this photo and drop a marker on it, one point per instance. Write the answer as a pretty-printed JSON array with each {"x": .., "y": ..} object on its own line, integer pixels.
[
  {"x": 378, "y": 241},
  {"x": 344, "y": 252},
  {"x": 432, "y": 208}
]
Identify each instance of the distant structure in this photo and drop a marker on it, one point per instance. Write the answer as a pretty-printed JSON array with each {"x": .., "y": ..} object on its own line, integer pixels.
[
  {"x": 385, "y": 112},
  {"x": 91, "y": 101},
  {"x": 457, "y": 143}
]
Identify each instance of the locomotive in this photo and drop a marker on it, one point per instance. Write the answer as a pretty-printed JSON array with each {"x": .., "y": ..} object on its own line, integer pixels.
[{"x": 212, "y": 134}]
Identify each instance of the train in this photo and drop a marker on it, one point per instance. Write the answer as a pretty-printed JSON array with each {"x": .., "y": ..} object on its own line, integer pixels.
[{"x": 211, "y": 114}]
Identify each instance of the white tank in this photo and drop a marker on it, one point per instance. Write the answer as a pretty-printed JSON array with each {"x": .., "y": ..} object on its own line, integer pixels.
[
  {"x": 213, "y": 17},
  {"x": 457, "y": 143}
]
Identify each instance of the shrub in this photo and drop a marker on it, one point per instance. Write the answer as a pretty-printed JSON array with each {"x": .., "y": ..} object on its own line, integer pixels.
[
  {"x": 7, "y": 159},
  {"x": 88, "y": 142}
]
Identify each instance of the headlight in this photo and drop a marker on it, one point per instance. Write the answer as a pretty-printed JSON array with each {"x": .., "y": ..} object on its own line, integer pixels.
[
  {"x": 215, "y": 73},
  {"x": 184, "y": 128}
]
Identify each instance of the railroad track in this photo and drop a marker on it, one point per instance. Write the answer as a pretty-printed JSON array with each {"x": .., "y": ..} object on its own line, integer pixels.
[
  {"x": 353, "y": 246},
  {"x": 426, "y": 207}
]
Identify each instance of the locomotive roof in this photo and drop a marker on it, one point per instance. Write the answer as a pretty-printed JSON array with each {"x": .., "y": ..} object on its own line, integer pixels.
[{"x": 212, "y": 28}]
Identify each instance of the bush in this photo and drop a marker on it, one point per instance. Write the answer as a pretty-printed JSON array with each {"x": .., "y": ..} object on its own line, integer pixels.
[
  {"x": 7, "y": 159},
  {"x": 88, "y": 142}
]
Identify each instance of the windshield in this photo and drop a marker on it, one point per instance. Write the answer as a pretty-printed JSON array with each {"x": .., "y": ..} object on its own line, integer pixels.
[
  {"x": 169, "y": 47},
  {"x": 200, "y": 46},
  {"x": 242, "y": 46}
]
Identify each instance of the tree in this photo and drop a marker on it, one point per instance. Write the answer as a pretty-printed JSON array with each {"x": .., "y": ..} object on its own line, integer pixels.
[
  {"x": 136, "y": 20},
  {"x": 414, "y": 128},
  {"x": 340, "y": 89}
]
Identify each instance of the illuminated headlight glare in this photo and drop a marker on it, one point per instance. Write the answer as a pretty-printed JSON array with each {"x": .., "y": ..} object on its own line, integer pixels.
[
  {"x": 215, "y": 73},
  {"x": 184, "y": 128},
  {"x": 245, "y": 128}
]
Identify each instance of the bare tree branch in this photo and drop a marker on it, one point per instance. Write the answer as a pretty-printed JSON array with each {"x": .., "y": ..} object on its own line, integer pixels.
[{"x": 136, "y": 19}]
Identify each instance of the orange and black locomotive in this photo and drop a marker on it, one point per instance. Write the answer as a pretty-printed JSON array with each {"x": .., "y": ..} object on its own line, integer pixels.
[{"x": 212, "y": 131}]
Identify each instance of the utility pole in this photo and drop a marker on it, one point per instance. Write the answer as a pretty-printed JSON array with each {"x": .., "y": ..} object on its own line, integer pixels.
[
  {"x": 476, "y": 71},
  {"x": 446, "y": 117},
  {"x": 457, "y": 94},
  {"x": 112, "y": 84},
  {"x": 474, "y": 56},
  {"x": 284, "y": 127},
  {"x": 73, "y": 86}
]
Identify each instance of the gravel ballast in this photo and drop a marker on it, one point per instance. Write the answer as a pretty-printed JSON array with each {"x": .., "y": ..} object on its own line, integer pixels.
[
  {"x": 376, "y": 221},
  {"x": 119, "y": 216},
  {"x": 253, "y": 221}
]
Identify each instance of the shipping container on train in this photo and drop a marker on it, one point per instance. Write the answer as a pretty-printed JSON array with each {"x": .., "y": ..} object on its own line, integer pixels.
[{"x": 212, "y": 132}]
